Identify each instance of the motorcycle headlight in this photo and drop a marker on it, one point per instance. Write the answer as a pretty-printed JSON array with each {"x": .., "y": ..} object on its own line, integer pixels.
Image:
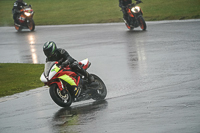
[
  {"x": 27, "y": 13},
  {"x": 135, "y": 9}
]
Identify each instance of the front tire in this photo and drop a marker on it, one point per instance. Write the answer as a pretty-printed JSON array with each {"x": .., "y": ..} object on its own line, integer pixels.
[
  {"x": 101, "y": 92},
  {"x": 142, "y": 23},
  {"x": 31, "y": 25},
  {"x": 58, "y": 98}
]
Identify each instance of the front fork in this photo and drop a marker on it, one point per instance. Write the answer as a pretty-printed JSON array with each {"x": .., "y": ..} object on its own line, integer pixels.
[
  {"x": 61, "y": 87},
  {"x": 134, "y": 20},
  {"x": 64, "y": 90}
]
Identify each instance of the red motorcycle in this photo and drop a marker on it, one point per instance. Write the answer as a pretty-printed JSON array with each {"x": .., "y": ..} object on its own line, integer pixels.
[
  {"x": 26, "y": 19},
  {"x": 135, "y": 17},
  {"x": 67, "y": 86}
]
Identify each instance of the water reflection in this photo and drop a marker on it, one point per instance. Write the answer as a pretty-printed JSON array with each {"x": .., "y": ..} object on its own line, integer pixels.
[
  {"x": 140, "y": 50},
  {"x": 66, "y": 119},
  {"x": 31, "y": 39},
  {"x": 136, "y": 50}
]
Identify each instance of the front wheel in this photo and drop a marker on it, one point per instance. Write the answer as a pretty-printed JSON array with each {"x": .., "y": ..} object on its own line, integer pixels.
[
  {"x": 101, "y": 91},
  {"x": 142, "y": 23},
  {"x": 31, "y": 25},
  {"x": 58, "y": 97}
]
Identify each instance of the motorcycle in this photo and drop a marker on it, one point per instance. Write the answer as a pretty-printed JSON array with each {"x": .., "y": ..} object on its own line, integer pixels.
[
  {"x": 26, "y": 19},
  {"x": 135, "y": 17},
  {"x": 67, "y": 86}
]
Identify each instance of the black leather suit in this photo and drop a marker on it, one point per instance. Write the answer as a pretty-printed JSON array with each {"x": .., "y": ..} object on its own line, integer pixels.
[
  {"x": 123, "y": 4},
  {"x": 67, "y": 60},
  {"x": 16, "y": 10}
]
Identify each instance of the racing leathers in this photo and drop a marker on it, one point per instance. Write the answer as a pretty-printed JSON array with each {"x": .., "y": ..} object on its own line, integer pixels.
[
  {"x": 123, "y": 4},
  {"x": 61, "y": 54},
  {"x": 16, "y": 10}
]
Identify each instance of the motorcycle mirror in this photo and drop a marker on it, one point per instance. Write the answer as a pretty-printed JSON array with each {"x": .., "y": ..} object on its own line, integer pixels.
[{"x": 30, "y": 6}]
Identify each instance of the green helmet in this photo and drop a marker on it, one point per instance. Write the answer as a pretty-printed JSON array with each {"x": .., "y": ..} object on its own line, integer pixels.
[{"x": 49, "y": 48}]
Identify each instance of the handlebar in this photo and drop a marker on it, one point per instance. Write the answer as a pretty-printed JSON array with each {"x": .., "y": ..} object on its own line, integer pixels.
[{"x": 58, "y": 63}]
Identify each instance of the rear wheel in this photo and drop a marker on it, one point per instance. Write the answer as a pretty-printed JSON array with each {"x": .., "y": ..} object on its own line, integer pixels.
[
  {"x": 31, "y": 25},
  {"x": 101, "y": 92},
  {"x": 142, "y": 23},
  {"x": 58, "y": 97}
]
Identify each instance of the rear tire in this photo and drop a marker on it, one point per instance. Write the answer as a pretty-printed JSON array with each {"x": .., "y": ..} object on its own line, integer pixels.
[
  {"x": 142, "y": 23},
  {"x": 58, "y": 98},
  {"x": 101, "y": 93}
]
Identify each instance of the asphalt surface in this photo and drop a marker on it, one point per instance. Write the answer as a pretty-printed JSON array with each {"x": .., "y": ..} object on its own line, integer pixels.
[{"x": 152, "y": 77}]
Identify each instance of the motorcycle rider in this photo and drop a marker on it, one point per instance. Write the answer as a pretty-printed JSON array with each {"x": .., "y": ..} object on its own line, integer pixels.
[
  {"x": 123, "y": 4},
  {"x": 16, "y": 10},
  {"x": 55, "y": 54}
]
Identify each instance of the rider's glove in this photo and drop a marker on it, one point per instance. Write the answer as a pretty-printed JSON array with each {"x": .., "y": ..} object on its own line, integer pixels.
[{"x": 64, "y": 64}]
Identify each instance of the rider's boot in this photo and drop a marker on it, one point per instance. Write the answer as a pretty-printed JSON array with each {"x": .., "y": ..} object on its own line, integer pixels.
[
  {"x": 90, "y": 78},
  {"x": 91, "y": 81},
  {"x": 87, "y": 75}
]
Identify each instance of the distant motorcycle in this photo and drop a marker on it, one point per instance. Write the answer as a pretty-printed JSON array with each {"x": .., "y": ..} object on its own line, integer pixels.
[
  {"x": 135, "y": 17},
  {"x": 26, "y": 19},
  {"x": 76, "y": 88}
]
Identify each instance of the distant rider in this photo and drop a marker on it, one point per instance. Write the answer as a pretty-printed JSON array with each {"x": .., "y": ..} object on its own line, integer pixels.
[
  {"x": 55, "y": 54},
  {"x": 18, "y": 5},
  {"x": 123, "y": 4}
]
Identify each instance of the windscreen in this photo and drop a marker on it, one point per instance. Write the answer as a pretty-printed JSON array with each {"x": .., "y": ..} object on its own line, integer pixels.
[{"x": 48, "y": 66}]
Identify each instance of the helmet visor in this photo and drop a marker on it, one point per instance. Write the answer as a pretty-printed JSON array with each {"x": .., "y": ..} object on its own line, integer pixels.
[{"x": 48, "y": 52}]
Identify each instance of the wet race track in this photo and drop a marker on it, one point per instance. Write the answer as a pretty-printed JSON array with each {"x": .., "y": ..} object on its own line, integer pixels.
[{"x": 152, "y": 77}]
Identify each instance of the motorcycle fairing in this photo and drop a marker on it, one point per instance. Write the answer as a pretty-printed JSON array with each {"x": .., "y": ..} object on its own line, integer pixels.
[
  {"x": 65, "y": 76},
  {"x": 49, "y": 72},
  {"x": 85, "y": 62},
  {"x": 22, "y": 18},
  {"x": 28, "y": 10},
  {"x": 68, "y": 79},
  {"x": 68, "y": 75},
  {"x": 43, "y": 79},
  {"x": 53, "y": 72},
  {"x": 129, "y": 12}
]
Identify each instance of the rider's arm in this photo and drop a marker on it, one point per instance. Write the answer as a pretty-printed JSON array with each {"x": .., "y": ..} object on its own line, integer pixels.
[
  {"x": 15, "y": 8},
  {"x": 120, "y": 3},
  {"x": 66, "y": 56},
  {"x": 24, "y": 4}
]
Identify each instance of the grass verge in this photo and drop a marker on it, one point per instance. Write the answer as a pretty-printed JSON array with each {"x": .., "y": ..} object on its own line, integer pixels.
[
  {"x": 56, "y": 12},
  {"x": 16, "y": 77}
]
